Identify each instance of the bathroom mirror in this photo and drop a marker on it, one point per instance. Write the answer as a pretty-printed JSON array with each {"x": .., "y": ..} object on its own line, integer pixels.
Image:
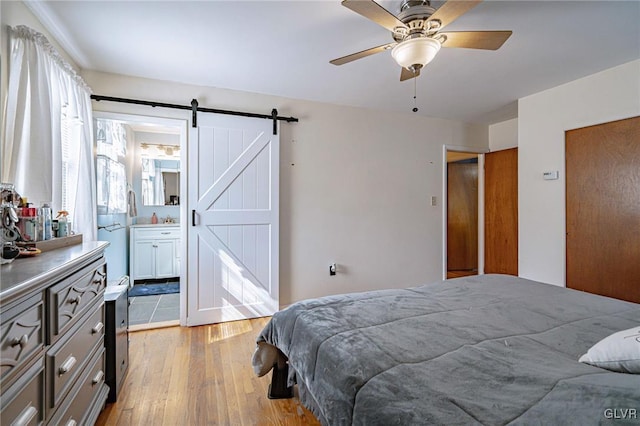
[{"x": 160, "y": 182}]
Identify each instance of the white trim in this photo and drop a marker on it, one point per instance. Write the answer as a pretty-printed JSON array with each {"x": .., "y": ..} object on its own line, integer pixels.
[
  {"x": 45, "y": 15},
  {"x": 480, "y": 152},
  {"x": 180, "y": 124}
]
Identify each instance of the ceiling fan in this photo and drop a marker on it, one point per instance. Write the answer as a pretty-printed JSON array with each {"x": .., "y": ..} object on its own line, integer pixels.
[{"x": 417, "y": 32}]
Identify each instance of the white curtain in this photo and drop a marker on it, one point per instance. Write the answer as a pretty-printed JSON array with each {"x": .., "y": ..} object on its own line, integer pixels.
[{"x": 43, "y": 91}]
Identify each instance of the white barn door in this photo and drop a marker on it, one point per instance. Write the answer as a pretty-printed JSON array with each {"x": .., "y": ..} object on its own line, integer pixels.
[{"x": 233, "y": 170}]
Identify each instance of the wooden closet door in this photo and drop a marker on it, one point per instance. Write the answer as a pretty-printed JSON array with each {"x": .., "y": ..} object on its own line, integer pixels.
[
  {"x": 462, "y": 216},
  {"x": 603, "y": 209},
  {"x": 501, "y": 212}
]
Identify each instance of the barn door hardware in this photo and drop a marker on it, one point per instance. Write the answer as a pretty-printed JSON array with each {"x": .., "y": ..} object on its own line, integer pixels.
[{"x": 195, "y": 109}]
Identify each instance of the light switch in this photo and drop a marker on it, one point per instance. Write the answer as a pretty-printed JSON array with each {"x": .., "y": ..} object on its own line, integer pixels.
[
  {"x": 333, "y": 268},
  {"x": 434, "y": 200}
]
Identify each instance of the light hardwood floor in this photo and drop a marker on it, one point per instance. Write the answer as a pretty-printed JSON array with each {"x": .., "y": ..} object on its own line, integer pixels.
[
  {"x": 458, "y": 274},
  {"x": 199, "y": 376}
]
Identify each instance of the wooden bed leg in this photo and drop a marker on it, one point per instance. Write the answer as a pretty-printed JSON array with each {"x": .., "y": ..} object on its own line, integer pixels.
[{"x": 278, "y": 388}]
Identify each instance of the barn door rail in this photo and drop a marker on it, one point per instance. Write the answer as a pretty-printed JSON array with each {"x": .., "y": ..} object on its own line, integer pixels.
[{"x": 195, "y": 108}]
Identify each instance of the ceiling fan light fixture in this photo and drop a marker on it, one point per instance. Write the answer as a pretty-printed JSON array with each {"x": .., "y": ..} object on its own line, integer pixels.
[{"x": 416, "y": 51}]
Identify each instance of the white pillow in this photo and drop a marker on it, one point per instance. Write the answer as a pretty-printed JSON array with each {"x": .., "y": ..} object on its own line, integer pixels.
[{"x": 618, "y": 352}]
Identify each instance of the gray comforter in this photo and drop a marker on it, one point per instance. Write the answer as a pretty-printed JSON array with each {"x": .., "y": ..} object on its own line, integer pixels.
[{"x": 491, "y": 350}]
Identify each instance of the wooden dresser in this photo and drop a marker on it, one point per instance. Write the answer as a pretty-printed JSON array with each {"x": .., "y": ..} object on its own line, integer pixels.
[{"x": 52, "y": 325}]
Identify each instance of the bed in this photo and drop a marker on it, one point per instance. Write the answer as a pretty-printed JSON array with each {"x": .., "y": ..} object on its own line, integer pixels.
[{"x": 490, "y": 349}]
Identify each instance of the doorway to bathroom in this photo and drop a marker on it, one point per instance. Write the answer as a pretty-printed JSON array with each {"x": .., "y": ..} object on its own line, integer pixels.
[{"x": 139, "y": 166}]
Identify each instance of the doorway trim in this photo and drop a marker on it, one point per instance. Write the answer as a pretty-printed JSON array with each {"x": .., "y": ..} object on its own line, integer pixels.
[
  {"x": 182, "y": 126},
  {"x": 480, "y": 152}
]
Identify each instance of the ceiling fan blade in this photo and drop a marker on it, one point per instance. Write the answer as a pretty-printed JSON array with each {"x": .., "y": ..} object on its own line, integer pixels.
[
  {"x": 488, "y": 40},
  {"x": 452, "y": 10},
  {"x": 364, "y": 53},
  {"x": 374, "y": 12},
  {"x": 408, "y": 75}
]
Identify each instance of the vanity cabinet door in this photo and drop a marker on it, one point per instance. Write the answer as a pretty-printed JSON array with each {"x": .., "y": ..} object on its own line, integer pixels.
[
  {"x": 143, "y": 263},
  {"x": 165, "y": 258}
]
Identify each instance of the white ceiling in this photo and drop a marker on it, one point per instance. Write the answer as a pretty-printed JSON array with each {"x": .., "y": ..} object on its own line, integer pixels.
[{"x": 283, "y": 48}]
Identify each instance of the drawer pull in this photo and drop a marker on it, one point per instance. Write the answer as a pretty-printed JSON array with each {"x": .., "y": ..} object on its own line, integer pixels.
[
  {"x": 165, "y": 233},
  {"x": 67, "y": 365},
  {"x": 26, "y": 416},
  {"x": 75, "y": 300},
  {"x": 97, "y": 281},
  {"x": 102, "y": 274},
  {"x": 96, "y": 328},
  {"x": 71, "y": 422},
  {"x": 122, "y": 323},
  {"x": 98, "y": 378},
  {"x": 22, "y": 341}
]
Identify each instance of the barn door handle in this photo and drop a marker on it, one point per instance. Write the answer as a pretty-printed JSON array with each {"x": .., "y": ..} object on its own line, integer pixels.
[{"x": 193, "y": 217}]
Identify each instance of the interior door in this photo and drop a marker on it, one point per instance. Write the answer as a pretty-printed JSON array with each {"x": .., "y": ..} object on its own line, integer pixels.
[
  {"x": 603, "y": 209},
  {"x": 232, "y": 257},
  {"x": 462, "y": 217},
  {"x": 501, "y": 212}
]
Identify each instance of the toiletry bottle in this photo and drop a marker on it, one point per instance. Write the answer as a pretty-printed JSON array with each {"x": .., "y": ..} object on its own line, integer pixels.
[
  {"x": 45, "y": 213},
  {"x": 63, "y": 230},
  {"x": 154, "y": 218},
  {"x": 30, "y": 224}
]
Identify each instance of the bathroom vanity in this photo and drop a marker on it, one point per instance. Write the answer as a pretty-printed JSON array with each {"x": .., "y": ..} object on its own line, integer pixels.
[
  {"x": 154, "y": 251},
  {"x": 52, "y": 319}
]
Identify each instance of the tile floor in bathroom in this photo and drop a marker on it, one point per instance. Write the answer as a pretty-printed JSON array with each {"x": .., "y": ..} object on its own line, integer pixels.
[{"x": 150, "y": 309}]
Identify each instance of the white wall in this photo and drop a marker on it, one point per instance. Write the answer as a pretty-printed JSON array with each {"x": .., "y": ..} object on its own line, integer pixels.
[
  {"x": 610, "y": 95},
  {"x": 355, "y": 184},
  {"x": 503, "y": 135}
]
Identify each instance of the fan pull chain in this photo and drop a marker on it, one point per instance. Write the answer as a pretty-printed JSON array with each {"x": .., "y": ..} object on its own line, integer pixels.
[{"x": 415, "y": 84}]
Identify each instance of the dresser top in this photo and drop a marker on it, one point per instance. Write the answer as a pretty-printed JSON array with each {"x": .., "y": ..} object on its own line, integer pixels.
[{"x": 24, "y": 275}]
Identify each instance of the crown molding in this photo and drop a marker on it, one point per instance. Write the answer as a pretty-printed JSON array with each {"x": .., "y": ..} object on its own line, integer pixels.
[{"x": 50, "y": 21}]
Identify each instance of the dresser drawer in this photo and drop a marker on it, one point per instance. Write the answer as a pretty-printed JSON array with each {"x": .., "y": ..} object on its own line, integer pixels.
[
  {"x": 65, "y": 360},
  {"x": 71, "y": 297},
  {"x": 74, "y": 410},
  {"x": 157, "y": 233},
  {"x": 23, "y": 402},
  {"x": 22, "y": 331}
]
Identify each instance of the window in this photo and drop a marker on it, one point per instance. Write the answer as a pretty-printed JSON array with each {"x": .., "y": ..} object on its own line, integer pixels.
[
  {"x": 111, "y": 147},
  {"x": 70, "y": 147}
]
